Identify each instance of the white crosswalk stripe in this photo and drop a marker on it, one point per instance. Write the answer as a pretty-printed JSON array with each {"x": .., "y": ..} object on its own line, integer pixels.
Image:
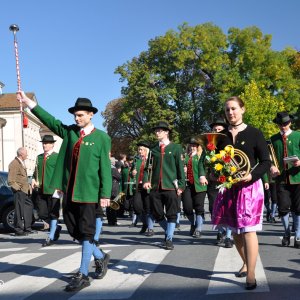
[
  {"x": 125, "y": 277},
  {"x": 40, "y": 278},
  {"x": 16, "y": 259},
  {"x": 223, "y": 280}
]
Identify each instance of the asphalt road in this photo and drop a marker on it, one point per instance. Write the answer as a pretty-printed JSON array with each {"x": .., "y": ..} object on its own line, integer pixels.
[{"x": 140, "y": 269}]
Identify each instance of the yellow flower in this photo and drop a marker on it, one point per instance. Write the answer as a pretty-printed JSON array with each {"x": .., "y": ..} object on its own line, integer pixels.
[
  {"x": 218, "y": 167},
  {"x": 232, "y": 169},
  {"x": 230, "y": 179},
  {"x": 218, "y": 156},
  {"x": 222, "y": 153},
  {"x": 213, "y": 159}
]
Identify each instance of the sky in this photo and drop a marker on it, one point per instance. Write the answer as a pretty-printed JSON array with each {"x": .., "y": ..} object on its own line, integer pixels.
[{"x": 71, "y": 48}]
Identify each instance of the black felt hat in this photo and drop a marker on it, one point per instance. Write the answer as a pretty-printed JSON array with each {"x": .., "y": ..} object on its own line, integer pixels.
[
  {"x": 218, "y": 122},
  {"x": 83, "y": 104},
  {"x": 283, "y": 118},
  {"x": 144, "y": 144},
  {"x": 163, "y": 125},
  {"x": 47, "y": 138},
  {"x": 192, "y": 141}
]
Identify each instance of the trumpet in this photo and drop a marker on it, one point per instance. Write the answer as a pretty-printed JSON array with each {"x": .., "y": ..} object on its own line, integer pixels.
[
  {"x": 117, "y": 201},
  {"x": 273, "y": 157}
]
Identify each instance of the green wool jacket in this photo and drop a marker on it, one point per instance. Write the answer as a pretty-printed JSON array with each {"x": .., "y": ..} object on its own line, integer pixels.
[
  {"x": 127, "y": 188},
  {"x": 293, "y": 148},
  {"x": 48, "y": 173},
  {"x": 172, "y": 167},
  {"x": 198, "y": 170},
  {"x": 93, "y": 179}
]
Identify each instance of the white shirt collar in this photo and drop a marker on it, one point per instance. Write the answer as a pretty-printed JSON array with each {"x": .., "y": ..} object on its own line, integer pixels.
[
  {"x": 286, "y": 133},
  {"x": 87, "y": 130},
  {"x": 166, "y": 142}
]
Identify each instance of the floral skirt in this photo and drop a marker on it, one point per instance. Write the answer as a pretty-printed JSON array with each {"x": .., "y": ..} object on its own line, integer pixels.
[{"x": 240, "y": 207}]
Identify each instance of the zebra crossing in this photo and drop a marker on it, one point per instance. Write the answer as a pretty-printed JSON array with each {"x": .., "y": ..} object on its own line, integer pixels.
[
  {"x": 123, "y": 278},
  {"x": 127, "y": 275}
]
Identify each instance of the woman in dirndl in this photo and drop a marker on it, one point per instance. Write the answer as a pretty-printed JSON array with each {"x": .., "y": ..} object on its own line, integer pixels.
[{"x": 241, "y": 206}]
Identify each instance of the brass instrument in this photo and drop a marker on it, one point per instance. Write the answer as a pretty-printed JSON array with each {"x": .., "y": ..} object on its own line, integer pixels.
[
  {"x": 273, "y": 157},
  {"x": 150, "y": 166},
  {"x": 239, "y": 160},
  {"x": 117, "y": 201}
]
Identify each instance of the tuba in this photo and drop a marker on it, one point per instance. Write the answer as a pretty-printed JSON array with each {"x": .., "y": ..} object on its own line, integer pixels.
[
  {"x": 117, "y": 201},
  {"x": 239, "y": 159},
  {"x": 273, "y": 157}
]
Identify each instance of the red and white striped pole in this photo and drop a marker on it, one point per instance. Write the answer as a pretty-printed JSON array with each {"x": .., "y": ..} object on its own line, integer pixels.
[{"x": 14, "y": 28}]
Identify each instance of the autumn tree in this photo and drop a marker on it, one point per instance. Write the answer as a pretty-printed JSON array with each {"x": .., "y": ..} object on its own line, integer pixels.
[{"x": 185, "y": 76}]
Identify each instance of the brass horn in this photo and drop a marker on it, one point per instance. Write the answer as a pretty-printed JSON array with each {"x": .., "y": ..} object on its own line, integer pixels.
[
  {"x": 239, "y": 159},
  {"x": 116, "y": 202},
  {"x": 241, "y": 162},
  {"x": 212, "y": 138}
]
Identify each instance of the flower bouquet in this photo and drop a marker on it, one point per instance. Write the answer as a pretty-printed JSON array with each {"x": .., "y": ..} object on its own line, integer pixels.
[{"x": 228, "y": 165}]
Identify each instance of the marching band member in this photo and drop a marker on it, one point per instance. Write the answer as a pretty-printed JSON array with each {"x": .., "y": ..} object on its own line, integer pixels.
[
  {"x": 48, "y": 206},
  {"x": 241, "y": 206},
  {"x": 83, "y": 174},
  {"x": 286, "y": 143},
  {"x": 224, "y": 233},
  {"x": 141, "y": 201},
  {"x": 194, "y": 194},
  {"x": 167, "y": 181}
]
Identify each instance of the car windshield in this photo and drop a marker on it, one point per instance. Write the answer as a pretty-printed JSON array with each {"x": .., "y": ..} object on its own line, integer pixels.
[{"x": 4, "y": 187}]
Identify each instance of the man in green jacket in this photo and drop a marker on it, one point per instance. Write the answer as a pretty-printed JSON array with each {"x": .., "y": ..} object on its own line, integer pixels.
[
  {"x": 167, "y": 181},
  {"x": 83, "y": 174},
  {"x": 194, "y": 194},
  {"x": 48, "y": 206},
  {"x": 286, "y": 144}
]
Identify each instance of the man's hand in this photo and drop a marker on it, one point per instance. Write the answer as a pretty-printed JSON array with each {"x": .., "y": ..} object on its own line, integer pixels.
[
  {"x": 179, "y": 192},
  {"x": 296, "y": 163},
  {"x": 274, "y": 171},
  {"x": 104, "y": 202},
  {"x": 203, "y": 180},
  {"x": 24, "y": 99},
  {"x": 147, "y": 185}
]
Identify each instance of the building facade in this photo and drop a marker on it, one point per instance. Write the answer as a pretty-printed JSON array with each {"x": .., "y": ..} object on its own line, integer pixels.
[{"x": 13, "y": 134}]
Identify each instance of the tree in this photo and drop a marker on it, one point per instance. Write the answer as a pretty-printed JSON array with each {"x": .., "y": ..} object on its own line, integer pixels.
[{"x": 185, "y": 76}]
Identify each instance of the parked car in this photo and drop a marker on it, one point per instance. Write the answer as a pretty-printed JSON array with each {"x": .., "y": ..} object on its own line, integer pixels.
[{"x": 7, "y": 209}]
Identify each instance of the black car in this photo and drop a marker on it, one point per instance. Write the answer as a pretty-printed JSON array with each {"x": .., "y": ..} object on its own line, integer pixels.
[{"x": 7, "y": 209}]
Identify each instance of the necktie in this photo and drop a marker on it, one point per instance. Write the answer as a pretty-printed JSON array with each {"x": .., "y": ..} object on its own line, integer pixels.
[
  {"x": 77, "y": 145},
  {"x": 285, "y": 152},
  {"x": 190, "y": 175},
  {"x": 162, "y": 153}
]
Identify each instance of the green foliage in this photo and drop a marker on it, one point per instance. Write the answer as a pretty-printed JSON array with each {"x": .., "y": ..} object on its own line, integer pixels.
[{"x": 185, "y": 76}]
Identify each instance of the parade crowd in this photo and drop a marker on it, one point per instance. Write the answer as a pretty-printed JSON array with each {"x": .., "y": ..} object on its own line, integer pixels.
[{"x": 233, "y": 166}]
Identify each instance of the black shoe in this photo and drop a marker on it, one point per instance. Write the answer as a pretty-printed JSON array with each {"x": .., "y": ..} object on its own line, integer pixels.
[
  {"x": 285, "y": 241},
  {"x": 177, "y": 226},
  {"x": 297, "y": 243},
  {"x": 169, "y": 245},
  {"x": 192, "y": 230},
  {"x": 78, "y": 282},
  {"x": 47, "y": 243},
  {"x": 132, "y": 225},
  {"x": 197, "y": 234},
  {"x": 241, "y": 274},
  {"x": 220, "y": 238},
  {"x": 101, "y": 266},
  {"x": 21, "y": 233},
  {"x": 97, "y": 243},
  {"x": 150, "y": 232},
  {"x": 57, "y": 233},
  {"x": 30, "y": 231},
  {"x": 143, "y": 230},
  {"x": 272, "y": 220},
  {"x": 228, "y": 243},
  {"x": 268, "y": 217},
  {"x": 251, "y": 286}
]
